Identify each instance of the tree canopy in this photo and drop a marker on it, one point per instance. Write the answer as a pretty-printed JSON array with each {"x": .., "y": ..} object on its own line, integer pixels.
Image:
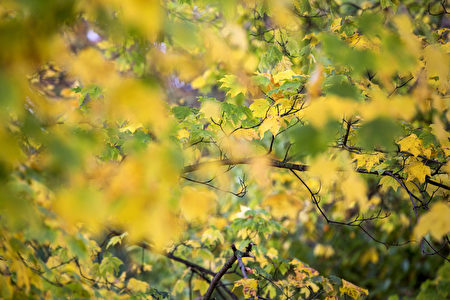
[{"x": 208, "y": 149}]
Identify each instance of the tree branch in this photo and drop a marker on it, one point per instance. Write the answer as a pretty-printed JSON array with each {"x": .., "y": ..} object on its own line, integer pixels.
[{"x": 228, "y": 264}]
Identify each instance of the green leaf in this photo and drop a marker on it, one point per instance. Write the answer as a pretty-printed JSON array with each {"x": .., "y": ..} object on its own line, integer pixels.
[
  {"x": 309, "y": 140},
  {"x": 116, "y": 240},
  {"x": 110, "y": 265},
  {"x": 340, "y": 85},
  {"x": 380, "y": 132},
  {"x": 181, "y": 112}
]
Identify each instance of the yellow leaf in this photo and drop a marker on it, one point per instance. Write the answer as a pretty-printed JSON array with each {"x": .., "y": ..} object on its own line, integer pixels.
[
  {"x": 200, "y": 285},
  {"x": 283, "y": 204},
  {"x": 436, "y": 222},
  {"x": 367, "y": 161},
  {"x": 271, "y": 123},
  {"x": 388, "y": 182},
  {"x": 211, "y": 110},
  {"x": 411, "y": 144},
  {"x": 325, "y": 251},
  {"x": 137, "y": 285},
  {"x": 91, "y": 67},
  {"x": 352, "y": 290},
  {"x": 324, "y": 169},
  {"x": 249, "y": 287},
  {"x": 284, "y": 75},
  {"x": 132, "y": 127},
  {"x": 301, "y": 267},
  {"x": 370, "y": 255},
  {"x": 183, "y": 134},
  {"x": 53, "y": 261},
  {"x": 236, "y": 36},
  {"x": 198, "y": 82},
  {"x": 354, "y": 189},
  {"x": 137, "y": 102},
  {"x": 417, "y": 169},
  {"x": 234, "y": 87},
  {"x": 196, "y": 203},
  {"x": 259, "y": 107},
  {"x": 315, "y": 82},
  {"x": 212, "y": 236},
  {"x": 145, "y": 15},
  {"x": 438, "y": 64}
]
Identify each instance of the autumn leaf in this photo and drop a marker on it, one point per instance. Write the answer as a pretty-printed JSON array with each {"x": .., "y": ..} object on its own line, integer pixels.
[
  {"x": 259, "y": 107},
  {"x": 367, "y": 161},
  {"x": 211, "y": 109},
  {"x": 417, "y": 170},
  {"x": 230, "y": 82},
  {"x": 435, "y": 221},
  {"x": 387, "y": 182},
  {"x": 352, "y": 290},
  {"x": 271, "y": 123},
  {"x": 196, "y": 203},
  {"x": 249, "y": 287},
  {"x": 137, "y": 285},
  {"x": 411, "y": 144}
]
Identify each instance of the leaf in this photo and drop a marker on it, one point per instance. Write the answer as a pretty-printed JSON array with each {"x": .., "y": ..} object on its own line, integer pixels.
[
  {"x": 387, "y": 182},
  {"x": 200, "y": 285},
  {"x": 212, "y": 236},
  {"x": 230, "y": 82},
  {"x": 181, "y": 112},
  {"x": 271, "y": 123},
  {"x": 137, "y": 286},
  {"x": 379, "y": 132},
  {"x": 411, "y": 144},
  {"x": 310, "y": 140},
  {"x": 367, "y": 161},
  {"x": 340, "y": 85},
  {"x": 211, "y": 109},
  {"x": 116, "y": 240},
  {"x": 259, "y": 107},
  {"x": 352, "y": 290},
  {"x": 249, "y": 287},
  {"x": 436, "y": 221},
  {"x": 196, "y": 203},
  {"x": 416, "y": 169},
  {"x": 283, "y": 76},
  {"x": 315, "y": 82},
  {"x": 109, "y": 265}
]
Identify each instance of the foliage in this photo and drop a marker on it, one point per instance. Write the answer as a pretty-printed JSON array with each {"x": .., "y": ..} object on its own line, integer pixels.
[{"x": 184, "y": 148}]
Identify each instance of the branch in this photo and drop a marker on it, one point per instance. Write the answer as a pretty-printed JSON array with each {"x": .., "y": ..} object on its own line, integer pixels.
[
  {"x": 190, "y": 264},
  {"x": 286, "y": 165},
  {"x": 200, "y": 271},
  {"x": 243, "y": 161},
  {"x": 355, "y": 223},
  {"x": 241, "y": 193},
  {"x": 228, "y": 264}
]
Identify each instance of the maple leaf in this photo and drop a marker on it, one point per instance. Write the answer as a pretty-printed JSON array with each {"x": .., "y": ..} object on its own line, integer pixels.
[
  {"x": 271, "y": 123},
  {"x": 436, "y": 222},
  {"x": 195, "y": 203},
  {"x": 137, "y": 285},
  {"x": 411, "y": 144},
  {"x": 211, "y": 109},
  {"x": 367, "y": 161},
  {"x": 284, "y": 75},
  {"x": 231, "y": 83},
  {"x": 417, "y": 169},
  {"x": 259, "y": 107},
  {"x": 388, "y": 182},
  {"x": 249, "y": 287},
  {"x": 352, "y": 290}
]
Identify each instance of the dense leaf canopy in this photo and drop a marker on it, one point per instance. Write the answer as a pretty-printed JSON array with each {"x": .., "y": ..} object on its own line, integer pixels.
[{"x": 288, "y": 149}]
